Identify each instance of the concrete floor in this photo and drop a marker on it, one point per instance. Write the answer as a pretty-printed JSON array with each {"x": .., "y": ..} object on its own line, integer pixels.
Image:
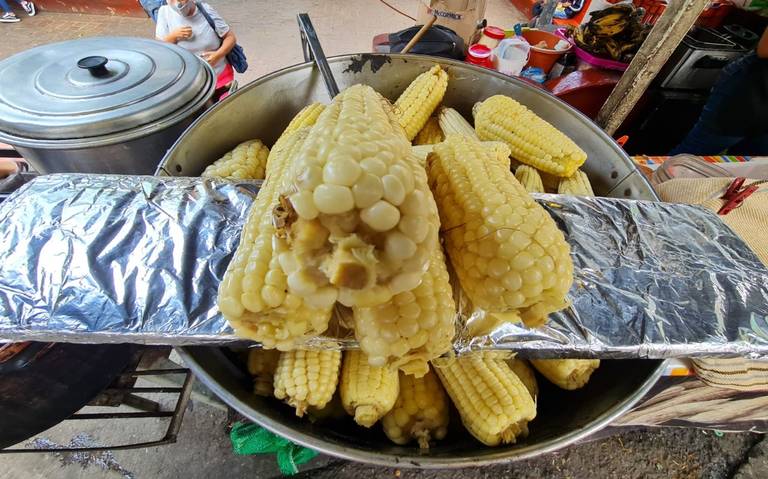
[
  {"x": 266, "y": 30},
  {"x": 203, "y": 450}
]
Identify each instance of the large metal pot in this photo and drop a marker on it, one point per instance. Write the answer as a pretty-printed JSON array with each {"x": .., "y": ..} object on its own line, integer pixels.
[
  {"x": 101, "y": 105},
  {"x": 263, "y": 108}
]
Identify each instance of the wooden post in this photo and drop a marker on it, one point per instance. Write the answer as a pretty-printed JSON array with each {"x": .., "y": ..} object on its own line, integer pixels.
[{"x": 668, "y": 32}]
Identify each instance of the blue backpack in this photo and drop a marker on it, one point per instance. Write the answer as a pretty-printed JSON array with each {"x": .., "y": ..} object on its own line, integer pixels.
[{"x": 236, "y": 57}]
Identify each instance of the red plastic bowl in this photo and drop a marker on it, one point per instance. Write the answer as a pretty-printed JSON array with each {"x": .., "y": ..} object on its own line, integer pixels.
[{"x": 543, "y": 58}]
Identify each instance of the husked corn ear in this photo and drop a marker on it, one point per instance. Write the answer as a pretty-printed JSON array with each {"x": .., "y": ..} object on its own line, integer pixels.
[
  {"x": 499, "y": 149},
  {"x": 248, "y": 161},
  {"x": 367, "y": 392},
  {"x": 575, "y": 185},
  {"x": 452, "y": 123},
  {"x": 307, "y": 378},
  {"x": 507, "y": 251},
  {"x": 356, "y": 221},
  {"x": 420, "y": 413},
  {"x": 523, "y": 371},
  {"x": 532, "y": 140},
  {"x": 430, "y": 133},
  {"x": 501, "y": 153},
  {"x": 304, "y": 118},
  {"x": 253, "y": 295},
  {"x": 414, "y": 327},
  {"x": 566, "y": 373},
  {"x": 262, "y": 364},
  {"x": 416, "y": 104},
  {"x": 492, "y": 401},
  {"x": 529, "y": 178},
  {"x": 332, "y": 410}
]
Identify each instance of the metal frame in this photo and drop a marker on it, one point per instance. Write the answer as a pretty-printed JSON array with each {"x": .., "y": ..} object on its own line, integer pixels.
[{"x": 176, "y": 416}]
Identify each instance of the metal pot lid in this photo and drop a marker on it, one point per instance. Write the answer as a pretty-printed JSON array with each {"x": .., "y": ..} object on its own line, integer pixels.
[{"x": 96, "y": 86}]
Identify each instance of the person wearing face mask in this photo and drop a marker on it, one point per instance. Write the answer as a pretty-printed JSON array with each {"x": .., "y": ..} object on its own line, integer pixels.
[{"x": 182, "y": 22}]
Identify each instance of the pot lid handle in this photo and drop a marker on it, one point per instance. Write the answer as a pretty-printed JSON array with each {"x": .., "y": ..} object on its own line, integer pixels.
[{"x": 96, "y": 65}]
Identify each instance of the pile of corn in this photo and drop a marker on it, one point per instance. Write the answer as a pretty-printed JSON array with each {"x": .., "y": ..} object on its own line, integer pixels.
[{"x": 352, "y": 214}]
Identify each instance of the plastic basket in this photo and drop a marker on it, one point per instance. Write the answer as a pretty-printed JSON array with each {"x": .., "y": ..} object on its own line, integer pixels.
[
  {"x": 589, "y": 58},
  {"x": 653, "y": 9},
  {"x": 715, "y": 14},
  {"x": 711, "y": 17}
]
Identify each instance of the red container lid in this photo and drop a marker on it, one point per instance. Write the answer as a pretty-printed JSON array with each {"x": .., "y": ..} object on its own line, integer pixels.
[
  {"x": 479, "y": 51},
  {"x": 494, "y": 32}
]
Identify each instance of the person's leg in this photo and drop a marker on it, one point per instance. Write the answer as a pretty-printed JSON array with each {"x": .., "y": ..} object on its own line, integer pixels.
[
  {"x": 704, "y": 141},
  {"x": 7, "y": 16},
  {"x": 705, "y": 137},
  {"x": 28, "y": 7},
  {"x": 5, "y": 7},
  {"x": 751, "y": 146}
]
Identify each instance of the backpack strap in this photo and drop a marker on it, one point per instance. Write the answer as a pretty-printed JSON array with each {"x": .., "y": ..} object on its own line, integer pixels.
[{"x": 208, "y": 18}]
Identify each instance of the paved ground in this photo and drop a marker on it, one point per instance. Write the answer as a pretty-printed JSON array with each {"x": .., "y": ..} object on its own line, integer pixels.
[
  {"x": 204, "y": 451},
  {"x": 267, "y": 32}
]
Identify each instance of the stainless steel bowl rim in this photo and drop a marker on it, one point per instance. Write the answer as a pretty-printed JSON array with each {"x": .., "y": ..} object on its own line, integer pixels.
[
  {"x": 180, "y": 154},
  {"x": 352, "y": 454},
  {"x": 441, "y": 60}
]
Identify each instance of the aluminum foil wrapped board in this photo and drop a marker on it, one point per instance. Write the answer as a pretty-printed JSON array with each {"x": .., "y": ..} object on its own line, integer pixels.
[
  {"x": 103, "y": 258},
  {"x": 653, "y": 280},
  {"x": 139, "y": 259}
]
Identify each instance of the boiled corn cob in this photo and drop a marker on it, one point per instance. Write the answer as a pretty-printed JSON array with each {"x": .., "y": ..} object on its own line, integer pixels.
[
  {"x": 420, "y": 413},
  {"x": 414, "y": 327},
  {"x": 252, "y": 295},
  {"x": 532, "y": 140},
  {"x": 507, "y": 251},
  {"x": 307, "y": 378},
  {"x": 262, "y": 364},
  {"x": 493, "y": 402},
  {"x": 416, "y": 104},
  {"x": 356, "y": 223},
  {"x": 304, "y": 118},
  {"x": 499, "y": 149},
  {"x": 430, "y": 133},
  {"x": 367, "y": 392},
  {"x": 567, "y": 373},
  {"x": 523, "y": 371},
  {"x": 333, "y": 410},
  {"x": 575, "y": 185},
  {"x": 247, "y": 161},
  {"x": 452, "y": 123},
  {"x": 529, "y": 178}
]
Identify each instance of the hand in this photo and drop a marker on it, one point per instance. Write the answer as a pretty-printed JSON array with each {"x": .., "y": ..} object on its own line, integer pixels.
[
  {"x": 211, "y": 57},
  {"x": 182, "y": 33}
]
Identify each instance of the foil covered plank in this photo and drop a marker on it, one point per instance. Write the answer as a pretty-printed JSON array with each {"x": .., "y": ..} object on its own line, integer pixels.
[
  {"x": 138, "y": 259},
  {"x": 652, "y": 280},
  {"x": 102, "y": 258}
]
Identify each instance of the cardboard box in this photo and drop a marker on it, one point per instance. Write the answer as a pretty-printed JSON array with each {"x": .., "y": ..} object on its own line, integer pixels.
[{"x": 461, "y": 16}]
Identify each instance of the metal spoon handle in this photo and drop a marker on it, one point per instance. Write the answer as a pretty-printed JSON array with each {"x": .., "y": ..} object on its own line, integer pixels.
[{"x": 313, "y": 51}]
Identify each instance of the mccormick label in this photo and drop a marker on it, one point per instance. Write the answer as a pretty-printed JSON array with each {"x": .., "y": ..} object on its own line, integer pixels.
[{"x": 444, "y": 14}]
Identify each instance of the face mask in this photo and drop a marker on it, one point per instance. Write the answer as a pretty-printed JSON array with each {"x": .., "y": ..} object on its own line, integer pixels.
[{"x": 185, "y": 9}]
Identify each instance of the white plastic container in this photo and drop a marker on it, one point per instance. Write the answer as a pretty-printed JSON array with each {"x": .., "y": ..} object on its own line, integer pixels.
[{"x": 511, "y": 55}]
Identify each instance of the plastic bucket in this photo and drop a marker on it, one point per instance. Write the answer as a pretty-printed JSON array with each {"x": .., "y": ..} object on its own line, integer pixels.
[{"x": 543, "y": 58}]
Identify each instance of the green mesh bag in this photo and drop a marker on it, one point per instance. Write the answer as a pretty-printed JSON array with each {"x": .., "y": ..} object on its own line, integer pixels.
[{"x": 250, "y": 439}]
